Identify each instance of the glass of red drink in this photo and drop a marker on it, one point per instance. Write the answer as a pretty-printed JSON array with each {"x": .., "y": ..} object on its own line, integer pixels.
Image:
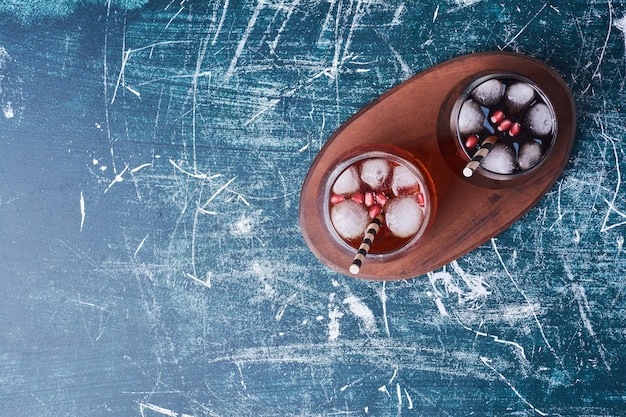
[{"x": 378, "y": 180}]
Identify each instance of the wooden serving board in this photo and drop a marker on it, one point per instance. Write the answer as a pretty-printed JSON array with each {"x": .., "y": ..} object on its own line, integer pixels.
[{"x": 415, "y": 116}]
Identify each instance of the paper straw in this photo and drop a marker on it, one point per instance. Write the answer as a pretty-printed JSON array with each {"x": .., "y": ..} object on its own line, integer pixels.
[
  {"x": 485, "y": 147},
  {"x": 370, "y": 233}
]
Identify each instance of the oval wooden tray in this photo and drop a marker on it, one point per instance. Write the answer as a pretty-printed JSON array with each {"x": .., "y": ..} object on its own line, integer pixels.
[{"x": 415, "y": 116}]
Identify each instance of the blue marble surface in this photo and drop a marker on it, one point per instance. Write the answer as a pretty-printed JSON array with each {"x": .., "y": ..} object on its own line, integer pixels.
[{"x": 151, "y": 257}]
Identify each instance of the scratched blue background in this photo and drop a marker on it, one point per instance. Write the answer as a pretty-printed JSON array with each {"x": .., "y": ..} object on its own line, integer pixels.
[{"x": 151, "y": 262}]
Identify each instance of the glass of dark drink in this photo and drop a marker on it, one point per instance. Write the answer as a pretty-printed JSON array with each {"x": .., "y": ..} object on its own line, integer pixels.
[{"x": 505, "y": 125}]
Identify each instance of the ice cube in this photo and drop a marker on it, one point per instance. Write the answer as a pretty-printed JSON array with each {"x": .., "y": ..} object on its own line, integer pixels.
[
  {"x": 529, "y": 154},
  {"x": 404, "y": 216},
  {"x": 500, "y": 160},
  {"x": 518, "y": 96},
  {"x": 539, "y": 119},
  {"x": 374, "y": 172},
  {"x": 471, "y": 118},
  {"x": 347, "y": 182},
  {"x": 403, "y": 179},
  {"x": 488, "y": 93},
  {"x": 349, "y": 219}
]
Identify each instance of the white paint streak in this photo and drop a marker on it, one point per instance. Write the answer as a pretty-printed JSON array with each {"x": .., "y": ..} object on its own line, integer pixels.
[
  {"x": 82, "y": 211},
  {"x": 467, "y": 287},
  {"x": 84, "y": 303},
  {"x": 161, "y": 410},
  {"x": 465, "y": 3},
  {"x": 611, "y": 204},
  {"x": 274, "y": 43},
  {"x": 397, "y": 16},
  {"x": 215, "y": 194},
  {"x": 206, "y": 283},
  {"x": 362, "y": 311},
  {"x": 333, "y": 326},
  {"x": 197, "y": 176},
  {"x": 406, "y": 70},
  {"x": 140, "y": 246},
  {"x": 7, "y": 110},
  {"x": 133, "y": 91},
  {"x": 495, "y": 338},
  {"x": 440, "y": 306},
  {"x": 359, "y": 12},
  {"x": 488, "y": 364},
  {"x": 270, "y": 104},
  {"x": 409, "y": 399},
  {"x": 620, "y": 24},
  {"x": 333, "y": 315},
  {"x": 385, "y": 390},
  {"x": 281, "y": 311},
  {"x": 242, "y": 42},
  {"x": 345, "y": 387},
  {"x": 175, "y": 16},
  {"x": 506, "y": 270},
  {"x": 263, "y": 273},
  {"x": 383, "y": 300},
  {"x": 118, "y": 178},
  {"x": 221, "y": 23},
  {"x": 126, "y": 58},
  {"x": 243, "y": 383},
  {"x": 140, "y": 167},
  {"x": 393, "y": 377},
  {"x": 558, "y": 206},
  {"x": 399, "y": 395},
  {"x": 584, "y": 309},
  {"x": 524, "y": 27},
  {"x": 596, "y": 73}
]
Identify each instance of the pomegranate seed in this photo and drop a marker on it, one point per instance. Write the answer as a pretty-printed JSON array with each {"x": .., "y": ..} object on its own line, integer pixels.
[
  {"x": 336, "y": 198},
  {"x": 497, "y": 116},
  {"x": 358, "y": 198},
  {"x": 369, "y": 199},
  {"x": 504, "y": 125},
  {"x": 420, "y": 200},
  {"x": 381, "y": 199},
  {"x": 515, "y": 129},
  {"x": 375, "y": 211},
  {"x": 471, "y": 141}
]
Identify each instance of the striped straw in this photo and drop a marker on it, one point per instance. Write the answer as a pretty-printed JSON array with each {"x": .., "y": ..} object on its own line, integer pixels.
[
  {"x": 370, "y": 233},
  {"x": 485, "y": 147}
]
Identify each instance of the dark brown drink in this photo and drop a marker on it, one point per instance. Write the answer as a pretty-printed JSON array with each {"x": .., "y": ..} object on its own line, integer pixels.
[{"x": 515, "y": 114}]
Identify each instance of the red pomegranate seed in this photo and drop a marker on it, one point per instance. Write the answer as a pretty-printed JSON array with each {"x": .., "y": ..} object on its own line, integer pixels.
[
  {"x": 374, "y": 211},
  {"x": 471, "y": 141},
  {"x": 504, "y": 125},
  {"x": 420, "y": 200},
  {"x": 515, "y": 129},
  {"x": 358, "y": 198},
  {"x": 497, "y": 116},
  {"x": 369, "y": 198},
  {"x": 381, "y": 199},
  {"x": 336, "y": 198}
]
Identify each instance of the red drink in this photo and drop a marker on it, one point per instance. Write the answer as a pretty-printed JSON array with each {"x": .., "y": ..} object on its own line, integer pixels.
[{"x": 368, "y": 183}]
